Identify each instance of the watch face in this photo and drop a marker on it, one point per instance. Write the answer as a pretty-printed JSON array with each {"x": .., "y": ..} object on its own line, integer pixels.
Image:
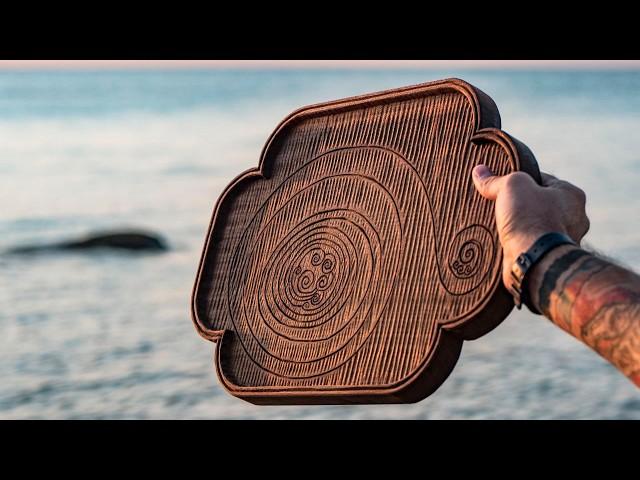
[{"x": 524, "y": 262}]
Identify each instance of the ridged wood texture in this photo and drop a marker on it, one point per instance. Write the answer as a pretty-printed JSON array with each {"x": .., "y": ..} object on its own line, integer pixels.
[{"x": 352, "y": 263}]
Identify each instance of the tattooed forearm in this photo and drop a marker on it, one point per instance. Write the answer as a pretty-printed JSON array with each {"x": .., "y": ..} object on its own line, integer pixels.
[{"x": 597, "y": 302}]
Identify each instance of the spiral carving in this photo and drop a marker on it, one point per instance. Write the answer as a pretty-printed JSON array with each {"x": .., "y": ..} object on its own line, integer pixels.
[
  {"x": 316, "y": 270},
  {"x": 310, "y": 274},
  {"x": 468, "y": 259},
  {"x": 470, "y": 256},
  {"x": 311, "y": 280}
]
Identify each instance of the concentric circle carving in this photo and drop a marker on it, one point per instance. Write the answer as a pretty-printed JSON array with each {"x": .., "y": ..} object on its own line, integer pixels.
[{"x": 317, "y": 263}]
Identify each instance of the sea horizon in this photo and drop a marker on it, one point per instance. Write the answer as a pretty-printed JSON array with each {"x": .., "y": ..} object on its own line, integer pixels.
[{"x": 110, "y": 335}]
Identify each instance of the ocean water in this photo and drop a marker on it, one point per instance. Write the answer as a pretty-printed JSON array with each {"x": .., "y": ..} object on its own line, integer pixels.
[{"x": 109, "y": 335}]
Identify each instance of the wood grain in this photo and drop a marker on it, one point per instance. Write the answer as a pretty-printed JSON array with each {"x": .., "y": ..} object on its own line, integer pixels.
[{"x": 352, "y": 263}]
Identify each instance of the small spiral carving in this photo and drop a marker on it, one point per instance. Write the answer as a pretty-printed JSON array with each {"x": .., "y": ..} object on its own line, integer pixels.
[
  {"x": 310, "y": 279},
  {"x": 469, "y": 257}
]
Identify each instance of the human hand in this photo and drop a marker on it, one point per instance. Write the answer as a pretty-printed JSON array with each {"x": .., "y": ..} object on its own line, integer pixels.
[{"x": 525, "y": 210}]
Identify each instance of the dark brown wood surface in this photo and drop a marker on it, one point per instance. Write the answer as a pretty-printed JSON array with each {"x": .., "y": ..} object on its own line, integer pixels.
[{"x": 352, "y": 263}]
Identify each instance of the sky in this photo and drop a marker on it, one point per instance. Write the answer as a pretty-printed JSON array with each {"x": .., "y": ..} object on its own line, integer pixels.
[{"x": 256, "y": 64}]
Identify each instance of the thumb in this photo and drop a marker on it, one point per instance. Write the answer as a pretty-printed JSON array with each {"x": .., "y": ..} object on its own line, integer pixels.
[{"x": 486, "y": 182}]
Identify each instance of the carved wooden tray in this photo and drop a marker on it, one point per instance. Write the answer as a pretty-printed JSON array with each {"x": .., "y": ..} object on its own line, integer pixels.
[{"x": 352, "y": 263}]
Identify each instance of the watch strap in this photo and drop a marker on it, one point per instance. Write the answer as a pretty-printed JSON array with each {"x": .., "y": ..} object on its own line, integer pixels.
[{"x": 527, "y": 260}]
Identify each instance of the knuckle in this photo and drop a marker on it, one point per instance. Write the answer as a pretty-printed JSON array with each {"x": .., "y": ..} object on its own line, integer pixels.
[
  {"x": 516, "y": 180},
  {"x": 565, "y": 186},
  {"x": 582, "y": 196},
  {"x": 576, "y": 191}
]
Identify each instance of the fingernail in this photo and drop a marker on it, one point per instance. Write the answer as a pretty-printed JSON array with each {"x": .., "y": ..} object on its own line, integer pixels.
[{"x": 482, "y": 171}]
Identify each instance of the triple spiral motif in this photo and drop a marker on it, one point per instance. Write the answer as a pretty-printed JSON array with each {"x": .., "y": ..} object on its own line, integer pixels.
[{"x": 312, "y": 280}]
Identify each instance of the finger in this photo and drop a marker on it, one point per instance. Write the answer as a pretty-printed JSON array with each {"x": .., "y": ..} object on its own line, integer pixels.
[{"x": 486, "y": 182}]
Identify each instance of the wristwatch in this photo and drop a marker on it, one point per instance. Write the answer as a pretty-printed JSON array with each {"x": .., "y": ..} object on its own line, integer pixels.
[{"x": 528, "y": 259}]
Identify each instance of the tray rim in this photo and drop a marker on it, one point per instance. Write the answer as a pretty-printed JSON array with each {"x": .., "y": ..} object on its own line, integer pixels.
[{"x": 487, "y": 124}]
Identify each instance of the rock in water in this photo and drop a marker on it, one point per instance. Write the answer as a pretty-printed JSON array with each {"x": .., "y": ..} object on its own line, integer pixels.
[{"x": 121, "y": 240}]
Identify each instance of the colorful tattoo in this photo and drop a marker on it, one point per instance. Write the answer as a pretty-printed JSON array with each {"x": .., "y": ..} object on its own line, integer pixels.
[{"x": 597, "y": 302}]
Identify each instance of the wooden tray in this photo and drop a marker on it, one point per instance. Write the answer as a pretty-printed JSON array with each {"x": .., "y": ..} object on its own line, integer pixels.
[{"x": 352, "y": 263}]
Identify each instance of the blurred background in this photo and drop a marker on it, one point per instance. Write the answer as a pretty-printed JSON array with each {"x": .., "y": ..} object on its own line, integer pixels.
[{"x": 108, "y": 335}]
